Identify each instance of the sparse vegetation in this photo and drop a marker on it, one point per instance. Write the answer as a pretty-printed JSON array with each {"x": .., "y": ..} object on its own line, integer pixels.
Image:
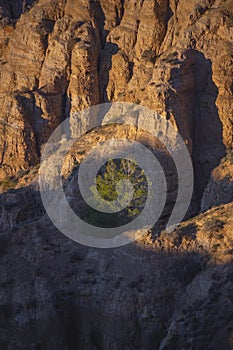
[
  {"x": 171, "y": 57},
  {"x": 199, "y": 9},
  {"x": 229, "y": 20},
  {"x": 8, "y": 183},
  {"x": 228, "y": 157},
  {"x": 213, "y": 225},
  {"x": 149, "y": 55},
  {"x": 106, "y": 184},
  {"x": 122, "y": 94},
  {"x": 215, "y": 246}
]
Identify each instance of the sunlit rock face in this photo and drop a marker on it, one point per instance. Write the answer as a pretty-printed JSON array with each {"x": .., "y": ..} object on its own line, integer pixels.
[{"x": 59, "y": 57}]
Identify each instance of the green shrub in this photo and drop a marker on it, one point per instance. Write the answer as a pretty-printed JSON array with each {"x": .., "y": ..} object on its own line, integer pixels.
[
  {"x": 215, "y": 246},
  {"x": 8, "y": 183},
  {"x": 106, "y": 184}
]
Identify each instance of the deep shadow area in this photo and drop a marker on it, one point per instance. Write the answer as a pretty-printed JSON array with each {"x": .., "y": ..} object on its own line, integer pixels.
[
  {"x": 107, "y": 50},
  {"x": 105, "y": 66},
  {"x": 61, "y": 295},
  {"x": 133, "y": 296},
  {"x": 195, "y": 111},
  {"x": 13, "y": 9},
  {"x": 208, "y": 146}
]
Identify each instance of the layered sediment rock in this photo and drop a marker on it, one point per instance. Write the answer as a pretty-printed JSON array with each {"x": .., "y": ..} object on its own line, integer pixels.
[{"x": 59, "y": 57}]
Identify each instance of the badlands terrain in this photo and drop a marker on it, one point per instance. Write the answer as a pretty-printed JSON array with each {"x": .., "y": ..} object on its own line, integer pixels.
[{"x": 167, "y": 290}]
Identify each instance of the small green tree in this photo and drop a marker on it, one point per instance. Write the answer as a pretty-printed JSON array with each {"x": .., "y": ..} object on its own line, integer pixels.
[{"x": 109, "y": 183}]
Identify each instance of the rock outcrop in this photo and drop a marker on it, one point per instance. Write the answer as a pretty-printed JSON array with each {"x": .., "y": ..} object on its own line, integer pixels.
[{"x": 220, "y": 187}]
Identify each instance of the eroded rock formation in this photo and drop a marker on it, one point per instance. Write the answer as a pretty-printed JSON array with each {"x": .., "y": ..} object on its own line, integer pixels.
[
  {"x": 165, "y": 291},
  {"x": 58, "y": 57}
]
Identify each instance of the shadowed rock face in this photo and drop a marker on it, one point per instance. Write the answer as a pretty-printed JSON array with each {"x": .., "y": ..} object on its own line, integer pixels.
[
  {"x": 172, "y": 291},
  {"x": 11, "y": 10},
  {"x": 219, "y": 189},
  {"x": 165, "y": 291}
]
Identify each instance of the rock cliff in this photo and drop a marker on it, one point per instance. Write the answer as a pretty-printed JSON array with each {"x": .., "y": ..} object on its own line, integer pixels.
[
  {"x": 164, "y": 291},
  {"x": 58, "y": 57}
]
